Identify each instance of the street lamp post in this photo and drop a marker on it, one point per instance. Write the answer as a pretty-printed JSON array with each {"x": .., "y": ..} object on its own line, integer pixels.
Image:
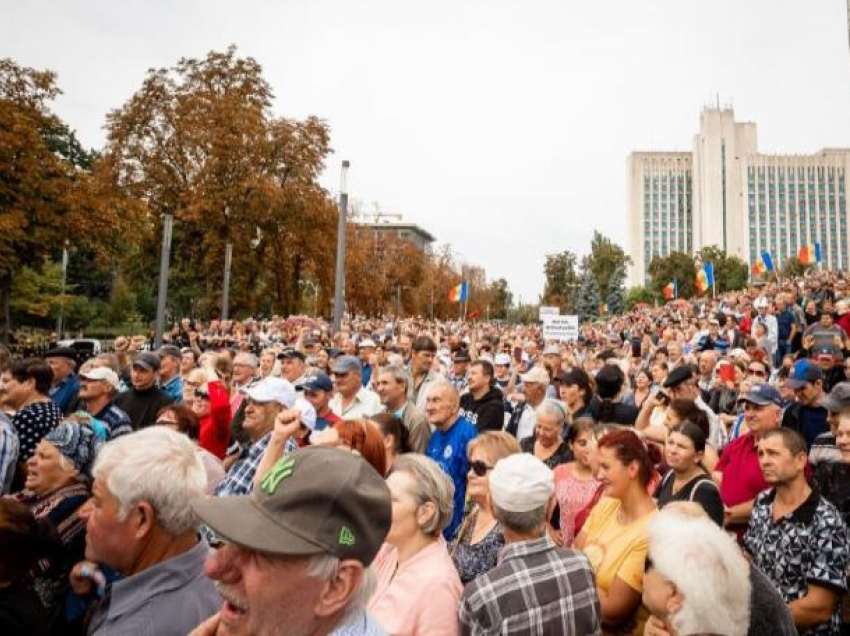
[
  {"x": 339, "y": 281},
  {"x": 164, "y": 258},
  {"x": 60, "y": 318},
  {"x": 228, "y": 258}
]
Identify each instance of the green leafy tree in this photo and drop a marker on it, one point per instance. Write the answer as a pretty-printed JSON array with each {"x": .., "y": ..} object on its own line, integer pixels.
[
  {"x": 794, "y": 268},
  {"x": 730, "y": 272},
  {"x": 678, "y": 265},
  {"x": 501, "y": 299},
  {"x": 615, "y": 300},
  {"x": 588, "y": 299},
  {"x": 561, "y": 280},
  {"x": 606, "y": 257},
  {"x": 637, "y": 295}
]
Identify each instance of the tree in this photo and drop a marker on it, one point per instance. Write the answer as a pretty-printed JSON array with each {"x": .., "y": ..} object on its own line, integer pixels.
[
  {"x": 502, "y": 299},
  {"x": 561, "y": 280},
  {"x": 606, "y": 257},
  {"x": 615, "y": 300},
  {"x": 678, "y": 265},
  {"x": 730, "y": 272},
  {"x": 637, "y": 295},
  {"x": 588, "y": 300},
  {"x": 794, "y": 268},
  {"x": 47, "y": 196}
]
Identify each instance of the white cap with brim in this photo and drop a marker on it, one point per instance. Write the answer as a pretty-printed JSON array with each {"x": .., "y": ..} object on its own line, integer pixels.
[
  {"x": 520, "y": 483},
  {"x": 272, "y": 390},
  {"x": 537, "y": 375},
  {"x": 103, "y": 374}
]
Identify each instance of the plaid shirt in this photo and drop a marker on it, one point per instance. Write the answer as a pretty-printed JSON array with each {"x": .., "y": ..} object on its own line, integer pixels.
[
  {"x": 239, "y": 480},
  {"x": 536, "y": 589}
]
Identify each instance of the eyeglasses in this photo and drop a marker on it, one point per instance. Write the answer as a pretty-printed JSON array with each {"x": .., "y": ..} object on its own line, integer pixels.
[
  {"x": 480, "y": 468},
  {"x": 202, "y": 395},
  {"x": 757, "y": 372}
]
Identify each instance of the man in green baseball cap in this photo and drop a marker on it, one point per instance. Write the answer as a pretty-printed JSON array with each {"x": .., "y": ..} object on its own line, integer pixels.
[{"x": 296, "y": 551}]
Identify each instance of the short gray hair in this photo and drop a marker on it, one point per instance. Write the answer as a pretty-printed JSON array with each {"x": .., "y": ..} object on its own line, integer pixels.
[
  {"x": 431, "y": 484},
  {"x": 554, "y": 409},
  {"x": 157, "y": 465},
  {"x": 324, "y": 567},
  {"x": 398, "y": 373},
  {"x": 521, "y": 522},
  {"x": 243, "y": 357}
]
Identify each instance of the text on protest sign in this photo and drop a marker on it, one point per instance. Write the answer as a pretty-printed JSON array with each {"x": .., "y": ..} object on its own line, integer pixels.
[{"x": 561, "y": 328}]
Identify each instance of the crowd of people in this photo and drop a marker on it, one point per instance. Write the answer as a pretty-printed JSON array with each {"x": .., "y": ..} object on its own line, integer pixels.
[{"x": 677, "y": 470}]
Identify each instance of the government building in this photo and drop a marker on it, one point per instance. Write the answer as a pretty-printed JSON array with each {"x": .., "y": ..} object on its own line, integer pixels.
[{"x": 724, "y": 193}]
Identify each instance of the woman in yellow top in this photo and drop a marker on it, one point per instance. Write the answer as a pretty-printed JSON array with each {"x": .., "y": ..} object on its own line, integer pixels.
[{"x": 614, "y": 537}]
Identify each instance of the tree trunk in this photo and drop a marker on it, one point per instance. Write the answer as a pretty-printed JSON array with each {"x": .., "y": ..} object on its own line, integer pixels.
[{"x": 6, "y": 297}]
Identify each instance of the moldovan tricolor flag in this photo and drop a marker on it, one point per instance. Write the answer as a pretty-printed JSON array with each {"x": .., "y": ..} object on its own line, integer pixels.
[
  {"x": 671, "y": 290},
  {"x": 763, "y": 264},
  {"x": 810, "y": 254},
  {"x": 458, "y": 293},
  {"x": 705, "y": 277}
]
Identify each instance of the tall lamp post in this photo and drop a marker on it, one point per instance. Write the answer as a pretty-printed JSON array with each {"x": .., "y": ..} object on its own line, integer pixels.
[
  {"x": 60, "y": 318},
  {"x": 165, "y": 256},
  {"x": 228, "y": 258},
  {"x": 339, "y": 281}
]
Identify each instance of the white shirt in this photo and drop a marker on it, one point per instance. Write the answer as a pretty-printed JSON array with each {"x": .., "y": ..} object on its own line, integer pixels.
[
  {"x": 527, "y": 421},
  {"x": 365, "y": 404}
]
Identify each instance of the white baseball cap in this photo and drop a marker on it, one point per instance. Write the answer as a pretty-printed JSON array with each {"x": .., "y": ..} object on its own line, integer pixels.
[
  {"x": 502, "y": 358},
  {"x": 537, "y": 375},
  {"x": 520, "y": 483},
  {"x": 104, "y": 374},
  {"x": 308, "y": 413},
  {"x": 272, "y": 390}
]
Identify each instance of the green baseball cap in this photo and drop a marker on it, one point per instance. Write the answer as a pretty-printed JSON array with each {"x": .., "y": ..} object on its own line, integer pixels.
[{"x": 318, "y": 500}]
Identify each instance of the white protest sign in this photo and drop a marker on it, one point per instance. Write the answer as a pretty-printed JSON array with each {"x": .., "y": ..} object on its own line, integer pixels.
[
  {"x": 561, "y": 328},
  {"x": 545, "y": 313}
]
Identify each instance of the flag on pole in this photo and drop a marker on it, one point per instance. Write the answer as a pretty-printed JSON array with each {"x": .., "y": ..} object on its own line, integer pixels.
[
  {"x": 671, "y": 290},
  {"x": 810, "y": 254},
  {"x": 705, "y": 278},
  {"x": 458, "y": 293},
  {"x": 763, "y": 264}
]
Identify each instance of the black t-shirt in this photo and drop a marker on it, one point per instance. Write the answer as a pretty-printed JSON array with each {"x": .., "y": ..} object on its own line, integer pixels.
[{"x": 701, "y": 489}]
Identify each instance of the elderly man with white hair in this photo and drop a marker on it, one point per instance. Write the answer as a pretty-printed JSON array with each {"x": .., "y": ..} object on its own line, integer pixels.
[
  {"x": 140, "y": 524},
  {"x": 537, "y": 588}
]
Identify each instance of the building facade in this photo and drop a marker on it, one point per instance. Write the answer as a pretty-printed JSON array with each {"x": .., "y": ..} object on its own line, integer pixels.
[
  {"x": 420, "y": 237},
  {"x": 724, "y": 193}
]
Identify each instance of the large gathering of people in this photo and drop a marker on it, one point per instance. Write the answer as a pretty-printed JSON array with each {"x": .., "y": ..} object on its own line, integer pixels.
[{"x": 676, "y": 470}]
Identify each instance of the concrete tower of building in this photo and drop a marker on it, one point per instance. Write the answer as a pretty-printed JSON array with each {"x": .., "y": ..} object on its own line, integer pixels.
[{"x": 724, "y": 193}]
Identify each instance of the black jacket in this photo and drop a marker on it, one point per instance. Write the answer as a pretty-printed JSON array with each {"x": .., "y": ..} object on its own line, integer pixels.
[
  {"x": 488, "y": 413},
  {"x": 142, "y": 406}
]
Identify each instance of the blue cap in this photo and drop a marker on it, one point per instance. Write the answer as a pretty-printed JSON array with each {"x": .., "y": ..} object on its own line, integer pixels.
[
  {"x": 802, "y": 372},
  {"x": 318, "y": 382},
  {"x": 762, "y": 394}
]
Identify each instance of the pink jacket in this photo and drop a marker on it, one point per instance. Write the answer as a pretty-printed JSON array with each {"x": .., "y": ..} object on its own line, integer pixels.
[{"x": 420, "y": 597}]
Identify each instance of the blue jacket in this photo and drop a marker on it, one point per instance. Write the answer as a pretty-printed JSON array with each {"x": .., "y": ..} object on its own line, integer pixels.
[{"x": 448, "y": 449}]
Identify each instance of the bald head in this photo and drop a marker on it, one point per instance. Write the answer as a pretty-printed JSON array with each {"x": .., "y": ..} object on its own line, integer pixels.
[{"x": 441, "y": 405}]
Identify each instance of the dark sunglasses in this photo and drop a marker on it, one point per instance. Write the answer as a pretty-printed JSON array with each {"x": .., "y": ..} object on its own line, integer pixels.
[
  {"x": 203, "y": 395},
  {"x": 756, "y": 372},
  {"x": 480, "y": 468}
]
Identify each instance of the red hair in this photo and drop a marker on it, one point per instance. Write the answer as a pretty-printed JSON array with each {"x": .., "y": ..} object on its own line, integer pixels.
[
  {"x": 364, "y": 437},
  {"x": 628, "y": 448}
]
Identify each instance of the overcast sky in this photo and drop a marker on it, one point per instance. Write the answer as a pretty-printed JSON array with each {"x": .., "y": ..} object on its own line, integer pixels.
[{"x": 501, "y": 127}]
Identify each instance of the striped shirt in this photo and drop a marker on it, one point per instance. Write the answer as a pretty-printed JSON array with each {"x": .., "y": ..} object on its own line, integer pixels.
[{"x": 536, "y": 589}]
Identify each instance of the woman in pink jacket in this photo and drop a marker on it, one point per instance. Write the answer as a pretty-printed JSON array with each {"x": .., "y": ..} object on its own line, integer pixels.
[{"x": 418, "y": 587}]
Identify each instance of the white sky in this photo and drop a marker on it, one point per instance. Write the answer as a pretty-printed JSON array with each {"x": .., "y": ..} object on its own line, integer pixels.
[{"x": 501, "y": 127}]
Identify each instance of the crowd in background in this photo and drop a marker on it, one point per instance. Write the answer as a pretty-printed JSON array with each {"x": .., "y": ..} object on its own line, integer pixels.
[{"x": 680, "y": 469}]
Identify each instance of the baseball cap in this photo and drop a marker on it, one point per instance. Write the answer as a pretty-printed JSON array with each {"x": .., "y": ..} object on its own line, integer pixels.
[
  {"x": 551, "y": 350},
  {"x": 520, "y": 483},
  {"x": 803, "y": 371},
  {"x": 318, "y": 500},
  {"x": 537, "y": 375},
  {"x": 347, "y": 364},
  {"x": 272, "y": 390},
  {"x": 147, "y": 360},
  {"x": 762, "y": 394},
  {"x": 318, "y": 382},
  {"x": 103, "y": 374},
  {"x": 838, "y": 399},
  {"x": 290, "y": 352},
  {"x": 680, "y": 374},
  {"x": 461, "y": 356},
  {"x": 502, "y": 359},
  {"x": 368, "y": 342},
  {"x": 308, "y": 413},
  {"x": 169, "y": 350}
]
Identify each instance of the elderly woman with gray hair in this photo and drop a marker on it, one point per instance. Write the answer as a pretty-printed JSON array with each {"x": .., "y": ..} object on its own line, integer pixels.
[
  {"x": 418, "y": 588},
  {"x": 547, "y": 443}
]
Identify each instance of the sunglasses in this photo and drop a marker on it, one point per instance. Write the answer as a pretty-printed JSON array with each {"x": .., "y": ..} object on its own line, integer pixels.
[
  {"x": 756, "y": 372},
  {"x": 203, "y": 395},
  {"x": 480, "y": 468}
]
